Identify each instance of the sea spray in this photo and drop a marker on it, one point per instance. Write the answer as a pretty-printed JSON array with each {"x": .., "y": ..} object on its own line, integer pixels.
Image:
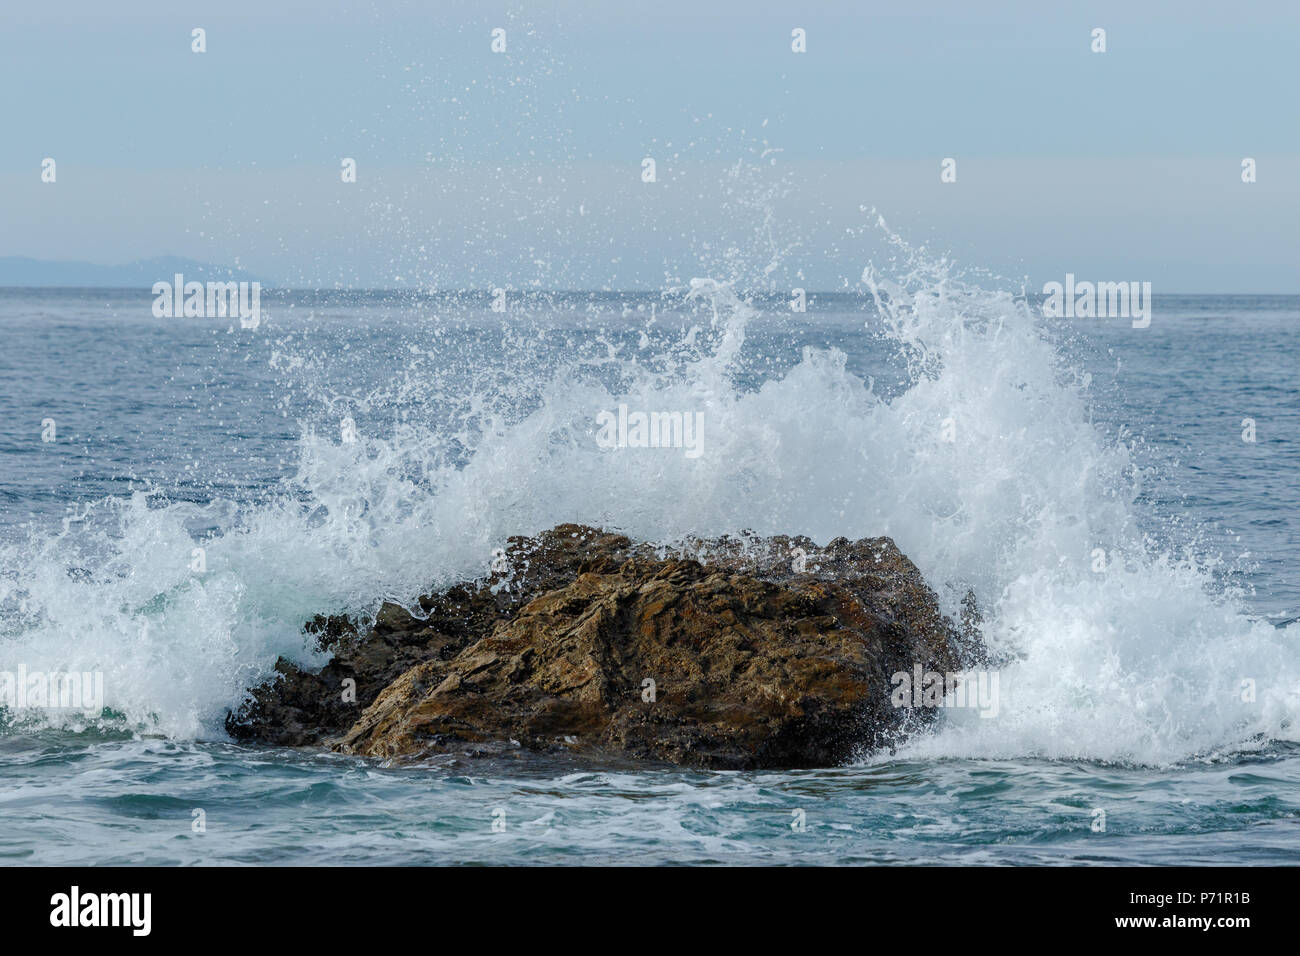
[{"x": 985, "y": 467}]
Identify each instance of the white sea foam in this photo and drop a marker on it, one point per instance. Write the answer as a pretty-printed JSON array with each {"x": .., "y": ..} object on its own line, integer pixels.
[{"x": 1140, "y": 663}]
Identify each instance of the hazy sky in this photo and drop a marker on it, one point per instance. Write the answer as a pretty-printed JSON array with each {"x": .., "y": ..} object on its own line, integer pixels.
[{"x": 523, "y": 168}]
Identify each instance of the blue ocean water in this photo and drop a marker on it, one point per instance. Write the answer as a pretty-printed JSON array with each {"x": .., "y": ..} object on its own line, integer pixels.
[{"x": 1135, "y": 556}]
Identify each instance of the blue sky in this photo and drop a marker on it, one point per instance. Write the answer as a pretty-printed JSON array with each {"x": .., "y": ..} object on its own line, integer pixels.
[{"x": 523, "y": 168}]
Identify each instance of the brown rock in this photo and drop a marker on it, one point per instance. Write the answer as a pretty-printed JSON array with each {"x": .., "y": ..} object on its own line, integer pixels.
[{"x": 751, "y": 664}]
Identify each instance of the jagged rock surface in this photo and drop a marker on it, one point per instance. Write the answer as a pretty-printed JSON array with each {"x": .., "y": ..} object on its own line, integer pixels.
[{"x": 589, "y": 643}]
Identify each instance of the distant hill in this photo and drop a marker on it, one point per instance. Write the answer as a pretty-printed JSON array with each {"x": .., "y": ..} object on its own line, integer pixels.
[{"x": 142, "y": 274}]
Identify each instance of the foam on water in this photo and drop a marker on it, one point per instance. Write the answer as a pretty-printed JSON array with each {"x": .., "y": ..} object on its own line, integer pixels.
[{"x": 1140, "y": 663}]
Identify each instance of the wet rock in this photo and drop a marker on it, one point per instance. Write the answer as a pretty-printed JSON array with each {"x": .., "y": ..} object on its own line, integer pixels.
[{"x": 739, "y": 652}]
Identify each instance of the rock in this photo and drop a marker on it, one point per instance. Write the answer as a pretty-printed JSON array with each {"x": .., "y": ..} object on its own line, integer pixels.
[{"x": 590, "y": 644}]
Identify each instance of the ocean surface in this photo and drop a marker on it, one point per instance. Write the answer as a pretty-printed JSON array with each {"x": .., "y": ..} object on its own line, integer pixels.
[{"x": 177, "y": 496}]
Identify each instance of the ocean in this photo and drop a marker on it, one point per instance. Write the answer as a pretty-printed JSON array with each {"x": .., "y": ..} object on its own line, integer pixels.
[{"x": 178, "y": 495}]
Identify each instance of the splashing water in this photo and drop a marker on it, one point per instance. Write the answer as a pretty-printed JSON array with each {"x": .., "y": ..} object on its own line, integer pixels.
[{"x": 986, "y": 468}]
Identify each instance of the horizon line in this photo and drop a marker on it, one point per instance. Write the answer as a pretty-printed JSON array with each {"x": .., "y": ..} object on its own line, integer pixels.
[{"x": 412, "y": 290}]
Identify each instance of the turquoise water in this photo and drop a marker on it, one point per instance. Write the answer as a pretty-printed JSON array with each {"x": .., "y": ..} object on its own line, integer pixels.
[
  {"x": 133, "y": 802},
  {"x": 1121, "y": 688}
]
